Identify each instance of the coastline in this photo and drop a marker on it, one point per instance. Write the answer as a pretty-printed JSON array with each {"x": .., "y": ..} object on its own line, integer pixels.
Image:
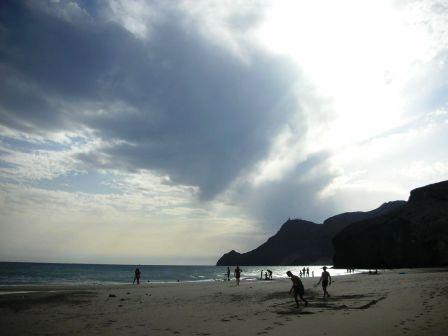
[{"x": 396, "y": 302}]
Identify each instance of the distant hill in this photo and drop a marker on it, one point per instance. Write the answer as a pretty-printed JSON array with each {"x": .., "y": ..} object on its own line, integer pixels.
[
  {"x": 300, "y": 242},
  {"x": 415, "y": 235}
]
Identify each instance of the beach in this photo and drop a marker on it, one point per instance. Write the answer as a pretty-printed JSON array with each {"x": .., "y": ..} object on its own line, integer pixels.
[{"x": 394, "y": 302}]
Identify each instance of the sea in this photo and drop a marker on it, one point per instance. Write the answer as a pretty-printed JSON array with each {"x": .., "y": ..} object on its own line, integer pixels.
[{"x": 23, "y": 273}]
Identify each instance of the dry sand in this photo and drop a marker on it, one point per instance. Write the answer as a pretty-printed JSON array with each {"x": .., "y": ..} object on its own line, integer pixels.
[{"x": 412, "y": 303}]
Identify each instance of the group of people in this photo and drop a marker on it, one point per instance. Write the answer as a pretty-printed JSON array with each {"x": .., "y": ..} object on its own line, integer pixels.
[
  {"x": 298, "y": 290},
  {"x": 305, "y": 272},
  {"x": 237, "y": 273},
  {"x": 267, "y": 275}
]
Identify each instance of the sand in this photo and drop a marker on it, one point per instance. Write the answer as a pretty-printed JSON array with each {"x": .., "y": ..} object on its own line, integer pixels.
[{"x": 398, "y": 302}]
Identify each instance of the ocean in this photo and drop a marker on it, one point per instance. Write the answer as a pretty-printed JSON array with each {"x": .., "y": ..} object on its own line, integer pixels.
[{"x": 22, "y": 273}]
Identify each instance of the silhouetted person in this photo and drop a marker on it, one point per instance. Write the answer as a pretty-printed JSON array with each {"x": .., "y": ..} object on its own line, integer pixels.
[
  {"x": 325, "y": 278},
  {"x": 238, "y": 271},
  {"x": 261, "y": 275},
  {"x": 228, "y": 273},
  {"x": 304, "y": 271},
  {"x": 297, "y": 288},
  {"x": 307, "y": 272},
  {"x": 300, "y": 273},
  {"x": 137, "y": 276},
  {"x": 266, "y": 275},
  {"x": 269, "y": 274}
]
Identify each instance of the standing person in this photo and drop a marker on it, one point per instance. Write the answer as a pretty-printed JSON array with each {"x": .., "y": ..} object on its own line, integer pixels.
[
  {"x": 325, "y": 278},
  {"x": 261, "y": 275},
  {"x": 228, "y": 273},
  {"x": 304, "y": 271},
  {"x": 270, "y": 274},
  {"x": 238, "y": 271},
  {"x": 307, "y": 272},
  {"x": 137, "y": 276},
  {"x": 297, "y": 288}
]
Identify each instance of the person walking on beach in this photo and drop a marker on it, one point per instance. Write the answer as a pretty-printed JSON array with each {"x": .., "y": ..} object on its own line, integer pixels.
[
  {"x": 228, "y": 273},
  {"x": 269, "y": 274},
  {"x": 137, "y": 276},
  {"x": 325, "y": 278},
  {"x": 307, "y": 272},
  {"x": 238, "y": 271},
  {"x": 297, "y": 288}
]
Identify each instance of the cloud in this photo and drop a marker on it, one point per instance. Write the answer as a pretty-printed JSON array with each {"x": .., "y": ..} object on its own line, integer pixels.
[
  {"x": 174, "y": 103},
  {"x": 295, "y": 195}
]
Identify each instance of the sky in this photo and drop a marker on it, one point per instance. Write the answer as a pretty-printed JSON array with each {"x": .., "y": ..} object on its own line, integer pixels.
[{"x": 171, "y": 132}]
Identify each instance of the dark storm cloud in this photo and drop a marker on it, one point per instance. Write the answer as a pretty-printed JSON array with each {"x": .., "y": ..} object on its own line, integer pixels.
[{"x": 176, "y": 103}]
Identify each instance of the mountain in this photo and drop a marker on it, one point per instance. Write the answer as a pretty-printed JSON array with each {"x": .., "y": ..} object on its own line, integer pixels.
[
  {"x": 300, "y": 242},
  {"x": 415, "y": 235}
]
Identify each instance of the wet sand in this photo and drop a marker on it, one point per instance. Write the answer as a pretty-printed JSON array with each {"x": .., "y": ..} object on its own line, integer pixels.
[{"x": 398, "y": 302}]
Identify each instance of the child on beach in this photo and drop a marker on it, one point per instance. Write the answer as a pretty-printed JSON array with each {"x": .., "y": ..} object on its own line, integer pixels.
[
  {"x": 325, "y": 278},
  {"x": 297, "y": 288}
]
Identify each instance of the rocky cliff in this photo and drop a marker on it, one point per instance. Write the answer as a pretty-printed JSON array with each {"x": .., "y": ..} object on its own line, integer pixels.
[
  {"x": 300, "y": 242},
  {"x": 415, "y": 235}
]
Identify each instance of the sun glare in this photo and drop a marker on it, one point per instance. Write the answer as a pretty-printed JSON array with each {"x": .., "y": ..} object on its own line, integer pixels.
[{"x": 359, "y": 55}]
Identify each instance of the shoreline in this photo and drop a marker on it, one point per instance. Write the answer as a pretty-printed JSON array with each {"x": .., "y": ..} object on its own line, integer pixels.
[
  {"x": 396, "y": 302},
  {"x": 93, "y": 285}
]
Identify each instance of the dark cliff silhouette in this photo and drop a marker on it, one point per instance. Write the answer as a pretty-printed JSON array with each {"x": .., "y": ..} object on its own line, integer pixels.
[
  {"x": 300, "y": 242},
  {"x": 415, "y": 235}
]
